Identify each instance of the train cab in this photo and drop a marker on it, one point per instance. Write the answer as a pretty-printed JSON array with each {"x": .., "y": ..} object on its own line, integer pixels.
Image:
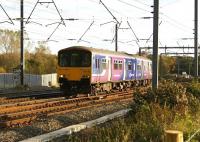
[{"x": 74, "y": 69}]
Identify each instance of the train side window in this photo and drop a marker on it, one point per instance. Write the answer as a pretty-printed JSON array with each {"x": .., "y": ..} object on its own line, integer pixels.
[
  {"x": 129, "y": 66},
  {"x": 115, "y": 65},
  {"x": 104, "y": 63},
  {"x": 97, "y": 63},
  {"x": 133, "y": 66},
  {"x": 120, "y": 64}
]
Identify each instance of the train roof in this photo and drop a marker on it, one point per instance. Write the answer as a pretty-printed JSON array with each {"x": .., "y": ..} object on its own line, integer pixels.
[{"x": 96, "y": 50}]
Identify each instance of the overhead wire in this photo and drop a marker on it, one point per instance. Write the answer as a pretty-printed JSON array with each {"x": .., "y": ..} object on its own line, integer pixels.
[
  {"x": 175, "y": 21},
  {"x": 129, "y": 4},
  {"x": 169, "y": 3},
  {"x": 171, "y": 20},
  {"x": 139, "y": 1},
  {"x": 10, "y": 20},
  {"x": 52, "y": 19},
  {"x": 177, "y": 26}
]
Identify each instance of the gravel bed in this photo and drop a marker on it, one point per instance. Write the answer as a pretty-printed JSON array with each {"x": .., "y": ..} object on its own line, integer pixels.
[{"x": 45, "y": 125}]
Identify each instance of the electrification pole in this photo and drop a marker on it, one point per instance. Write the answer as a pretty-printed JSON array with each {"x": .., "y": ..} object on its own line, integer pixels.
[
  {"x": 116, "y": 37},
  {"x": 155, "y": 45},
  {"x": 196, "y": 38},
  {"x": 116, "y": 25},
  {"x": 22, "y": 42}
]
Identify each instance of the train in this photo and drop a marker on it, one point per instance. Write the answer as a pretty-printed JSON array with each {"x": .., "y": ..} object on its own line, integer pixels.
[{"x": 90, "y": 70}]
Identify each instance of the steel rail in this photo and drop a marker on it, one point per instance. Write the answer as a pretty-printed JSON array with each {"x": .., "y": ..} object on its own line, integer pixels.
[{"x": 25, "y": 117}]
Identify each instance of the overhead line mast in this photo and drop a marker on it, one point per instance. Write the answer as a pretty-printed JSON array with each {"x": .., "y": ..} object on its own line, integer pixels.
[
  {"x": 22, "y": 42},
  {"x": 117, "y": 24},
  {"x": 196, "y": 38},
  {"x": 155, "y": 45}
]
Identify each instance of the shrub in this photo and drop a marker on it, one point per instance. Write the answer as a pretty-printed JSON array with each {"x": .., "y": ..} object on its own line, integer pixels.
[
  {"x": 169, "y": 94},
  {"x": 123, "y": 130},
  {"x": 147, "y": 126},
  {"x": 153, "y": 112},
  {"x": 2, "y": 70},
  {"x": 194, "y": 88},
  {"x": 194, "y": 104}
]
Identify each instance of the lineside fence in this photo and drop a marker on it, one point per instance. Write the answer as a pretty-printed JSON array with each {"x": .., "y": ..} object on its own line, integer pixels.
[{"x": 11, "y": 80}]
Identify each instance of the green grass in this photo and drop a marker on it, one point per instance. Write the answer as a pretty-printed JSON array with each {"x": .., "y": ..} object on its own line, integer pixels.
[{"x": 170, "y": 107}]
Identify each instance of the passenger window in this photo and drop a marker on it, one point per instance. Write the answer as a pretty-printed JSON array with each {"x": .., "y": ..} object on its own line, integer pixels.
[
  {"x": 133, "y": 66},
  {"x": 97, "y": 63},
  {"x": 129, "y": 66},
  {"x": 120, "y": 65},
  {"x": 104, "y": 64},
  {"x": 115, "y": 65}
]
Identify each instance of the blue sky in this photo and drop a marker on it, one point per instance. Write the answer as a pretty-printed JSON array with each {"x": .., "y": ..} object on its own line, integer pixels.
[{"x": 176, "y": 17}]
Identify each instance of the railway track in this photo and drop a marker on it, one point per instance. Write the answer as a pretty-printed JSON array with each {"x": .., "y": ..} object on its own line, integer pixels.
[
  {"x": 22, "y": 111},
  {"x": 30, "y": 94},
  {"x": 25, "y": 110}
]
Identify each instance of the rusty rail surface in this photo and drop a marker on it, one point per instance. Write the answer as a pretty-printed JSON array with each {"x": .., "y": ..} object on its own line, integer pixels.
[{"x": 24, "y": 112}]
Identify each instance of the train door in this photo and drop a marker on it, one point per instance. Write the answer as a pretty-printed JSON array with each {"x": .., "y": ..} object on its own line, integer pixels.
[
  {"x": 129, "y": 75},
  {"x": 145, "y": 70},
  {"x": 95, "y": 69},
  {"x": 138, "y": 69},
  {"x": 100, "y": 69},
  {"x": 133, "y": 69},
  {"x": 150, "y": 70},
  {"x": 109, "y": 69},
  {"x": 117, "y": 69},
  {"x": 104, "y": 70}
]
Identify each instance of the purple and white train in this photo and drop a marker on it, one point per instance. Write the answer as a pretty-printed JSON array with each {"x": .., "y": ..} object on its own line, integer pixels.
[{"x": 90, "y": 70}]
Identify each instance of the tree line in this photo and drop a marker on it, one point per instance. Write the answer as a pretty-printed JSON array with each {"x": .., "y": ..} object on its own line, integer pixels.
[
  {"x": 39, "y": 61},
  {"x": 176, "y": 65}
]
